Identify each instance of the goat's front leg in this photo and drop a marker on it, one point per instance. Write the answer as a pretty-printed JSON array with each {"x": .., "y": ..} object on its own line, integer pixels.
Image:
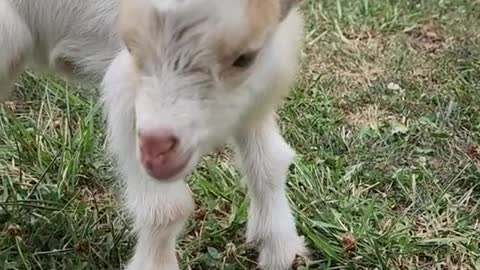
[
  {"x": 160, "y": 211},
  {"x": 159, "y": 208},
  {"x": 265, "y": 158}
]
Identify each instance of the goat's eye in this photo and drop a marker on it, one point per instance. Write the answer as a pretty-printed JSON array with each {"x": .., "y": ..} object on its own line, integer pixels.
[{"x": 244, "y": 60}]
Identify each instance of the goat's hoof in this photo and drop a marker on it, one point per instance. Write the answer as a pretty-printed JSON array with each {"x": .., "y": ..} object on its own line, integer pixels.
[{"x": 282, "y": 254}]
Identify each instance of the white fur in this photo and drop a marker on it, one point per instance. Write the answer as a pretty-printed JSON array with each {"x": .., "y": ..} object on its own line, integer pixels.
[{"x": 181, "y": 87}]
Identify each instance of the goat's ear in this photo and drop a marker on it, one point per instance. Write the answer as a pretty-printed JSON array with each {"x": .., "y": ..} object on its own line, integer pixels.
[{"x": 286, "y": 6}]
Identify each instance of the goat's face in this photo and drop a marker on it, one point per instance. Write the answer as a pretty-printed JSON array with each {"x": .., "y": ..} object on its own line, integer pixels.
[{"x": 197, "y": 64}]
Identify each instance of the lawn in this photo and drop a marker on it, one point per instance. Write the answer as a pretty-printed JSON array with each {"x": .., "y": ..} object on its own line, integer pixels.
[{"x": 385, "y": 118}]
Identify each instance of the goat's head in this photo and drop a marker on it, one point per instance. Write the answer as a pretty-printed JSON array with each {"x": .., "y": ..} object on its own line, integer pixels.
[{"x": 202, "y": 67}]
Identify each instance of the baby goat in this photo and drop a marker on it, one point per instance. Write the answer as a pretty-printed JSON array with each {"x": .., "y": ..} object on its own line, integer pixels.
[{"x": 179, "y": 78}]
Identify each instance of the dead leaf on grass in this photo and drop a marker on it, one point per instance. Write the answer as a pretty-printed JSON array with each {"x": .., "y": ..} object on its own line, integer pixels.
[
  {"x": 349, "y": 243},
  {"x": 428, "y": 38},
  {"x": 95, "y": 197},
  {"x": 473, "y": 151}
]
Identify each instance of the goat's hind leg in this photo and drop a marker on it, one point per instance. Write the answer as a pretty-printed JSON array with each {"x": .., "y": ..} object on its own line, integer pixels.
[{"x": 16, "y": 44}]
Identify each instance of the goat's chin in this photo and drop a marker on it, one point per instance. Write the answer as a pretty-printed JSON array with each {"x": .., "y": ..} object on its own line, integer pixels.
[{"x": 183, "y": 172}]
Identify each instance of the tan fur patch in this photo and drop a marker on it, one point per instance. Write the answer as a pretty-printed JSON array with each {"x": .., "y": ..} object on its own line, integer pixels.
[
  {"x": 266, "y": 12},
  {"x": 262, "y": 15},
  {"x": 138, "y": 24}
]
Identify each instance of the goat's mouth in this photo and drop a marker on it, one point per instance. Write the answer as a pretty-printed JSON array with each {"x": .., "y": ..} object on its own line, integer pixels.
[{"x": 169, "y": 167}]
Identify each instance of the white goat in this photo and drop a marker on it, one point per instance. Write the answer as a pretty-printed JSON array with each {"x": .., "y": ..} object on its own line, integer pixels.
[{"x": 179, "y": 77}]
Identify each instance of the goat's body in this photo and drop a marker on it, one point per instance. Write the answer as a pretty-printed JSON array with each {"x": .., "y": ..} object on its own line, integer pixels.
[
  {"x": 192, "y": 90},
  {"x": 77, "y": 39}
]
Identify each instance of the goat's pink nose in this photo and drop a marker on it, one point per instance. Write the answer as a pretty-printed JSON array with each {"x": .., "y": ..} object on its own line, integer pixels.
[
  {"x": 154, "y": 146},
  {"x": 160, "y": 156}
]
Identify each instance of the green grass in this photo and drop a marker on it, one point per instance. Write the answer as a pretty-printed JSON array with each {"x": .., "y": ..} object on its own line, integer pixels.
[{"x": 386, "y": 121}]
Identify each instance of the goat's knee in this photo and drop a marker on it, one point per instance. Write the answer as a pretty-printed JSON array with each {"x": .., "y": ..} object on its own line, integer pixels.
[
  {"x": 158, "y": 204},
  {"x": 16, "y": 44}
]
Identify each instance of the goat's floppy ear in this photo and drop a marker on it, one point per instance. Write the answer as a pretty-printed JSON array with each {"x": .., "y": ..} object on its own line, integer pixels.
[{"x": 286, "y": 6}]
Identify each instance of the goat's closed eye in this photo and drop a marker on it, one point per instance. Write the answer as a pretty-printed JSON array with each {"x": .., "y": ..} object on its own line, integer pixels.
[{"x": 245, "y": 60}]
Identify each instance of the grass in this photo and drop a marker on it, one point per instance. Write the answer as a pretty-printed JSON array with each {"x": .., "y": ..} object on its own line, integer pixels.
[{"x": 386, "y": 121}]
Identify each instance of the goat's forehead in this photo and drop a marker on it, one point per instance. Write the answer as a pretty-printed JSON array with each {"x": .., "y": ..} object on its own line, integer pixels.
[
  {"x": 219, "y": 28},
  {"x": 207, "y": 7},
  {"x": 233, "y": 15},
  {"x": 209, "y": 14}
]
